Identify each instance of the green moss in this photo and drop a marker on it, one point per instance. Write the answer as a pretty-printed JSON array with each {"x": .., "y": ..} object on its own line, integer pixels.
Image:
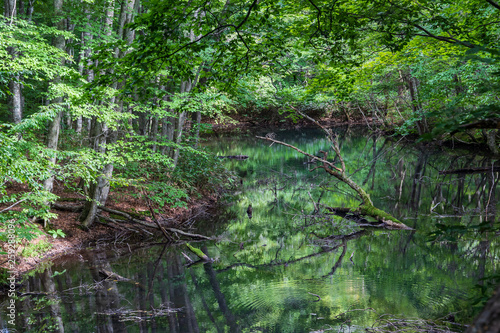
[
  {"x": 198, "y": 252},
  {"x": 380, "y": 215},
  {"x": 36, "y": 250}
]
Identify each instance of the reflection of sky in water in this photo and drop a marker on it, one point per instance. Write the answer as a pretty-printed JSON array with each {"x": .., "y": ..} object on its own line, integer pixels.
[{"x": 269, "y": 276}]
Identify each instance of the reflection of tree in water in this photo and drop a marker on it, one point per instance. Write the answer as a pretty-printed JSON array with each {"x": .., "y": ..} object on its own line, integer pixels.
[{"x": 302, "y": 248}]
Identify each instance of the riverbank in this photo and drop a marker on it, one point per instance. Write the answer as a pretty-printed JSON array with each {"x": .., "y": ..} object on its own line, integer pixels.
[{"x": 71, "y": 238}]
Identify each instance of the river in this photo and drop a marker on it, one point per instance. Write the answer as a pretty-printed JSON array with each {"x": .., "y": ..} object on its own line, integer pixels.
[{"x": 288, "y": 268}]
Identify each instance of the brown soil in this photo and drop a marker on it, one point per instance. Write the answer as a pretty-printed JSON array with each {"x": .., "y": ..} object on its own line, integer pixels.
[{"x": 100, "y": 235}]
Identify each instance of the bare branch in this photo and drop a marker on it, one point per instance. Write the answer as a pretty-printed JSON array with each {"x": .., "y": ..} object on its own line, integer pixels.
[
  {"x": 11, "y": 206},
  {"x": 493, "y": 3},
  {"x": 213, "y": 31},
  {"x": 329, "y": 136},
  {"x": 450, "y": 40},
  {"x": 300, "y": 151}
]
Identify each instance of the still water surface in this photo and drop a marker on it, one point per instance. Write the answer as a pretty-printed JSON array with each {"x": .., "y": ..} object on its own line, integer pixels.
[{"x": 276, "y": 272}]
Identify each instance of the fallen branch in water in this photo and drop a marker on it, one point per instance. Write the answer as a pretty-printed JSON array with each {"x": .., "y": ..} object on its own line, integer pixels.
[
  {"x": 188, "y": 234},
  {"x": 199, "y": 253},
  {"x": 140, "y": 315},
  {"x": 235, "y": 157},
  {"x": 319, "y": 298},
  {"x": 356, "y": 215},
  {"x": 366, "y": 208}
]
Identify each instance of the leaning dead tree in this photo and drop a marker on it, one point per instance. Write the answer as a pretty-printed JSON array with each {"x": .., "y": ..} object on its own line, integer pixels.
[{"x": 366, "y": 209}]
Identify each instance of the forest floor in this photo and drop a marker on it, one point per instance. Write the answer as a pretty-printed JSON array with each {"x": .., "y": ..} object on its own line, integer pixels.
[{"x": 45, "y": 247}]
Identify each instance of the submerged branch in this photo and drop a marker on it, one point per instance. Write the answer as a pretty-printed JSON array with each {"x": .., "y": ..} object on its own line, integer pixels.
[
  {"x": 366, "y": 208},
  {"x": 383, "y": 220}
]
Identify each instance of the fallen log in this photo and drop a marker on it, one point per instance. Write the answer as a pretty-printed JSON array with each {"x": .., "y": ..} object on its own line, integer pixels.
[
  {"x": 128, "y": 217},
  {"x": 199, "y": 253},
  {"x": 235, "y": 157},
  {"x": 359, "y": 215},
  {"x": 113, "y": 276},
  {"x": 184, "y": 233}
]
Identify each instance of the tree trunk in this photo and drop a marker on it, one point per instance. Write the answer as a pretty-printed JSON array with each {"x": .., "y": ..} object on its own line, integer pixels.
[
  {"x": 416, "y": 105},
  {"x": 167, "y": 134},
  {"x": 54, "y": 128},
  {"x": 55, "y": 307},
  {"x": 491, "y": 135},
  {"x": 15, "y": 100},
  {"x": 179, "y": 124},
  {"x": 99, "y": 135},
  {"x": 195, "y": 130},
  {"x": 52, "y": 141},
  {"x": 167, "y": 126},
  {"x": 154, "y": 132},
  {"x": 99, "y": 191},
  {"x": 10, "y": 11}
]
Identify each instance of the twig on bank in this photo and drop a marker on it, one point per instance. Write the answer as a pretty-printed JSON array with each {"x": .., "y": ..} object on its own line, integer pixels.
[{"x": 13, "y": 205}]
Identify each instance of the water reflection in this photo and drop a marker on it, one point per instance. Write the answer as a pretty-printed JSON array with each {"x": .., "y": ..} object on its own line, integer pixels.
[{"x": 289, "y": 268}]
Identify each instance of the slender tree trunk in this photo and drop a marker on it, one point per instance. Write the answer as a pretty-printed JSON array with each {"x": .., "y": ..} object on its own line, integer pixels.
[
  {"x": 219, "y": 296},
  {"x": 185, "y": 88},
  {"x": 10, "y": 11},
  {"x": 99, "y": 134},
  {"x": 195, "y": 130},
  {"x": 54, "y": 128},
  {"x": 100, "y": 190},
  {"x": 167, "y": 126},
  {"x": 154, "y": 132},
  {"x": 416, "y": 106},
  {"x": 16, "y": 100},
  {"x": 491, "y": 141}
]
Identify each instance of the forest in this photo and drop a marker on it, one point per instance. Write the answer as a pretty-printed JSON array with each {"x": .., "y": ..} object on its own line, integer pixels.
[{"x": 126, "y": 100}]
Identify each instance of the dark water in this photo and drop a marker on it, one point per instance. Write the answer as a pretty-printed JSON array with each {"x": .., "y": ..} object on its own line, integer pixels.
[{"x": 273, "y": 272}]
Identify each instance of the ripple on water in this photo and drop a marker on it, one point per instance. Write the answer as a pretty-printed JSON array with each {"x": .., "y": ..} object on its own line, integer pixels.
[{"x": 283, "y": 294}]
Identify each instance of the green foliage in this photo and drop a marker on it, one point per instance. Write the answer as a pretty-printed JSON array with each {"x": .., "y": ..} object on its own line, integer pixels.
[
  {"x": 32, "y": 250},
  {"x": 35, "y": 57},
  {"x": 167, "y": 196},
  {"x": 268, "y": 98},
  {"x": 56, "y": 233},
  {"x": 23, "y": 162},
  {"x": 201, "y": 170}
]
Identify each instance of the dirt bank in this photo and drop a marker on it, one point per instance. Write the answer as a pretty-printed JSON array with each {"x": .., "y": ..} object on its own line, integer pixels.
[{"x": 43, "y": 248}]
